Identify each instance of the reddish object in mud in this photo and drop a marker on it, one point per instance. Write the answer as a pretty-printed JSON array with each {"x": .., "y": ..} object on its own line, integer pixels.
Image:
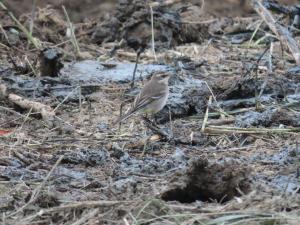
[{"x": 4, "y": 132}]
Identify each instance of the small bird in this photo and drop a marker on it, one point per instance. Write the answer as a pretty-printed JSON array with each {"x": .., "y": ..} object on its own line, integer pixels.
[{"x": 152, "y": 98}]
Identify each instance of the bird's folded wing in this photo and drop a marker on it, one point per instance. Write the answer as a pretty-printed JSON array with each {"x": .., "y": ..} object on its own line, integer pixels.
[{"x": 141, "y": 103}]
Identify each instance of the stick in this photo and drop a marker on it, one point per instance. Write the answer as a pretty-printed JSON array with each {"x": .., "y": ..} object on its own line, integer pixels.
[
  {"x": 206, "y": 114},
  {"x": 152, "y": 34},
  {"x": 281, "y": 32},
  {"x": 87, "y": 216},
  {"x": 139, "y": 51},
  {"x": 46, "y": 111},
  {"x": 239, "y": 130},
  {"x": 30, "y": 38},
  {"x": 72, "y": 33}
]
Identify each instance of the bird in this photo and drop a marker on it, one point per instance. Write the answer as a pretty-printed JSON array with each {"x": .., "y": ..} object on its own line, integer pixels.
[{"x": 152, "y": 98}]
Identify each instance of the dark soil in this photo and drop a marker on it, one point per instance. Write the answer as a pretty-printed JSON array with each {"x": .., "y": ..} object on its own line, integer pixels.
[{"x": 227, "y": 146}]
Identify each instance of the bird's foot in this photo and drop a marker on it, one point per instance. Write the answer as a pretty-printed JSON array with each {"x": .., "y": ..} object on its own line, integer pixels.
[{"x": 152, "y": 126}]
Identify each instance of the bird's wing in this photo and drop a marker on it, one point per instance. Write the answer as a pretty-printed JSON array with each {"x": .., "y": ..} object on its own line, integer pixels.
[{"x": 140, "y": 103}]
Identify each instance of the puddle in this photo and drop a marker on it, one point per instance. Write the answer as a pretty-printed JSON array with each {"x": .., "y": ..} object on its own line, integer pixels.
[
  {"x": 88, "y": 72},
  {"x": 94, "y": 72}
]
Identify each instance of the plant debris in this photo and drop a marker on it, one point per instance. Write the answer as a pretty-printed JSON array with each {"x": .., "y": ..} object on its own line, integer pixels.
[{"x": 224, "y": 150}]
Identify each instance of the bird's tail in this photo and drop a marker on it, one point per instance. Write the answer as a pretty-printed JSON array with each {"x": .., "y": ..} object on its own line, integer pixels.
[{"x": 123, "y": 117}]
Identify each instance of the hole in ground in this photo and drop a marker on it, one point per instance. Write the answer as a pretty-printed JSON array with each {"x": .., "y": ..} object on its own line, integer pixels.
[{"x": 208, "y": 182}]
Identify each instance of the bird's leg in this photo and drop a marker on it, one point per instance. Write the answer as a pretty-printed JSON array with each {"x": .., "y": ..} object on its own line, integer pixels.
[
  {"x": 121, "y": 111},
  {"x": 149, "y": 123},
  {"x": 155, "y": 128},
  {"x": 151, "y": 120},
  {"x": 119, "y": 121},
  {"x": 154, "y": 121},
  {"x": 138, "y": 53}
]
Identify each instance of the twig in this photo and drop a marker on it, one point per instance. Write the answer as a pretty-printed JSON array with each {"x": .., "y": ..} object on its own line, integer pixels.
[
  {"x": 222, "y": 113},
  {"x": 206, "y": 114},
  {"x": 254, "y": 33},
  {"x": 164, "y": 3},
  {"x": 232, "y": 112},
  {"x": 4, "y": 46},
  {"x": 239, "y": 130},
  {"x": 254, "y": 67},
  {"x": 11, "y": 111},
  {"x": 126, "y": 221},
  {"x": 65, "y": 99},
  {"x": 86, "y": 217},
  {"x": 281, "y": 32},
  {"x": 200, "y": 22},
  {"x": 171, "y": 123},
  {"x": 21, "y": 157},
  {"x": 71, "y": 27},
  {"x": 152, "y": 34},
  {"x": 21, "y": 27},
  {"x": 4, "y": 34},
  {"x": 44, "y": 110},
  {"x": 31, "y": 66},
  {"x": 31, "y": 25},
  {"x": 270, "y": 70},
  {"x": 25, "y": 119},
  {"x": 139, "y": 51},
  {"x": 80, "y": 100}
]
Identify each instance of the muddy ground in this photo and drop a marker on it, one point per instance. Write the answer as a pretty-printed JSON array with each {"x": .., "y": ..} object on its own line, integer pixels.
[{"x": 227, "y": 150}]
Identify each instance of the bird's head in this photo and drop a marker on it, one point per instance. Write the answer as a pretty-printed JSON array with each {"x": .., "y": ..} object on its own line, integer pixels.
[{"x": 161, "y": 77}]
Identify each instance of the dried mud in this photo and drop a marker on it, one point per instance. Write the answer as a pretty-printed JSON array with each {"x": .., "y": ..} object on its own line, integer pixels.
[{"x": 81, "y": 169}]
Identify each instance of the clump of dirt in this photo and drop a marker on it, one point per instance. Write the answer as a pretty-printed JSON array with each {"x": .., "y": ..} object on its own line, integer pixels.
[
  {"x": 270, "y": 116},
  {"x": 86, "y": 157},
  {"x": 50, "y": 64},
  {"x": 209, "y": 181},
  {"x": 233, "y": 109},
  {"x": 132, "y": 22},
  {"x": 78, "y": 11}
]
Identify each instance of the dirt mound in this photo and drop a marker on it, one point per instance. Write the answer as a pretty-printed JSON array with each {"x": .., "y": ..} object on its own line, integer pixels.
[{"x": 209, "y": 181}]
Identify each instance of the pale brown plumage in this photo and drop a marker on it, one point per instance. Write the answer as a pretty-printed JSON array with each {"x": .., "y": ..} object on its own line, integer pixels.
[{"x": 152, "y": 98}]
